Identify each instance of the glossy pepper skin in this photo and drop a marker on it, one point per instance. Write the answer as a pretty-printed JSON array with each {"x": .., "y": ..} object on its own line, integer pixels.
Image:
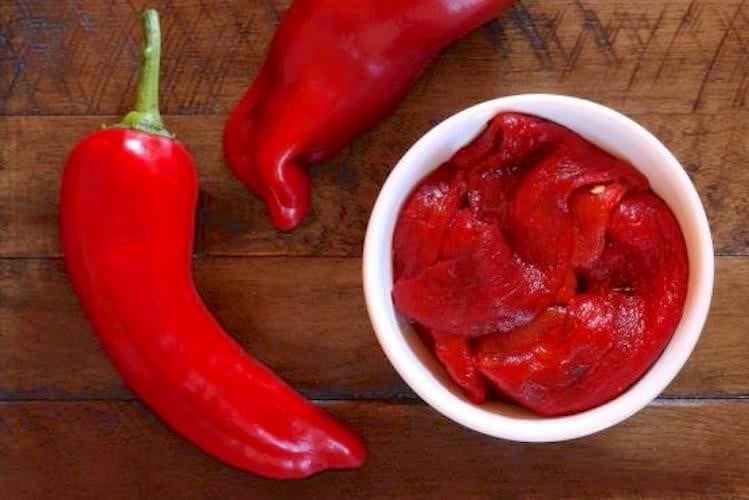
[
  {"x": 127, "y": 214},
  {"x": 334, "y": 69}
]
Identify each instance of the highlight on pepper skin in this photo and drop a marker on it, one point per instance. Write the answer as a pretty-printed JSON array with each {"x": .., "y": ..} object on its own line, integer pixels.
[
  {"x": 314, "y": 94},
  {"x": 127, "y": 213}
]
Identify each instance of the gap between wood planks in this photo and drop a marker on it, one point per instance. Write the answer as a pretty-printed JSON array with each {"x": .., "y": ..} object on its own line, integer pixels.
[
  {"x": 410, "y": 400},
  {"x": 228, "y": 255}
]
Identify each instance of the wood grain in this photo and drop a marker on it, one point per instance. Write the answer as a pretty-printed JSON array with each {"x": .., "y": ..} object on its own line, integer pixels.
[
  {"x": 119, "y": 450},
  {"x": 679, "y": 68},
  {"x": 305, "y": 317},
  {"x": 68, "y": 426},
  {"x": 79, "y": 57},
  {"x": 712, "y": 148}
]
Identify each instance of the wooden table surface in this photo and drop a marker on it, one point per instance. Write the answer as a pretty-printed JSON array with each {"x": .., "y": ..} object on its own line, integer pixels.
[{"x": 68, "y": 426}]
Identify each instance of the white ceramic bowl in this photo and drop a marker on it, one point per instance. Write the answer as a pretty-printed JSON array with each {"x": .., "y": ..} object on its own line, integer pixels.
[{"x": 611, "y": 131}]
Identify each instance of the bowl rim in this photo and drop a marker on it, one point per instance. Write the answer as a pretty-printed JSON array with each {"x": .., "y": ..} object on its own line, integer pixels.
[{"x": 479, "y": 418}]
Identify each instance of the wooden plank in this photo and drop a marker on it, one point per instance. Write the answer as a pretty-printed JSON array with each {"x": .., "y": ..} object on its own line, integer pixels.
[
  {"x": 304, "y": 317},
  {"x": 675, "y": 56},
  {"x": 82, "y": 58},
  {"x": 712, "y": 148},
  {"x": 233, "y": 221},
  {"x": 680, "y": 67},
  {"x": 119, "y": 450}
]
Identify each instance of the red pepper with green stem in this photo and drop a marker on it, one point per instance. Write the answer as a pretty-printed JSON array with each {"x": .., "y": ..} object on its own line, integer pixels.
[
  {"x": 127, "y": 212},
  {"x": 334, "y": 69}
]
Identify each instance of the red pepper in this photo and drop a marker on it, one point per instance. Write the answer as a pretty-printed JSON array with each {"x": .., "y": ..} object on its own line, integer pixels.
[
  {"x": 127, "y": 213},
  {"x": 334, "y": 69},
  {"x": 539, "y": 268}
]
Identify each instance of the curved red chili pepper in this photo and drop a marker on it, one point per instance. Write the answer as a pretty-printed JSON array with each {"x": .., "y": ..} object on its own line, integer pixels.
[
  {"x": 334, "y": 69},
  {"x": 126, "y": 213}
]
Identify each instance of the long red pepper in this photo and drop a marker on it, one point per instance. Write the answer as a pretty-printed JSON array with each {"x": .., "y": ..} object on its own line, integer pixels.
[
  {"x": 126, "y": 213},
  {"x": 334, "y": 69}
]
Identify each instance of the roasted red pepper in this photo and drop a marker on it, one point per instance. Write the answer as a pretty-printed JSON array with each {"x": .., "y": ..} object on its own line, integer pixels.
[
  {"x": 541, "y": 266},
  {"x": 334, "y": 69},
  {"x": 127, "y": 214}
]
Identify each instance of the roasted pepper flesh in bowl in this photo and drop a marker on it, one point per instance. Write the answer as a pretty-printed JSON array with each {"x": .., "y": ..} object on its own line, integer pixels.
[{"x": 541, "y": 268}]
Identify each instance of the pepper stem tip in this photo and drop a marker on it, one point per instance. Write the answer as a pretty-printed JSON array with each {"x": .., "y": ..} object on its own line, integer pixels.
[{"x": 146, "y": 116}]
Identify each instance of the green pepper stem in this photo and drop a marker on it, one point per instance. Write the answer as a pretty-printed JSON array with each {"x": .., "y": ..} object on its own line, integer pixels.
[{"x": 146, "y": 116}]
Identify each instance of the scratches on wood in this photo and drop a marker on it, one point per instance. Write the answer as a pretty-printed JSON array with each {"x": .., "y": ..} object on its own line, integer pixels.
[
  {"x": 494, "y": 30},
  {"x": 739, "y": 98},
  {"x": 84, "y": 58},
  {"x": 714, "y": 60},
  {"x": 523, "y": 20},
  {"x": 685, "y": 20},
  {"x": 635, "y": 54},
  {"x": 601, "y": 34},
  {"x": 554, "y": 25},
  {"x": 11, "y": 66},
  {"x": 680, "y": 67},
  {"x": 574, "y": 55},
  {"x": 644, "y": 48}
]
